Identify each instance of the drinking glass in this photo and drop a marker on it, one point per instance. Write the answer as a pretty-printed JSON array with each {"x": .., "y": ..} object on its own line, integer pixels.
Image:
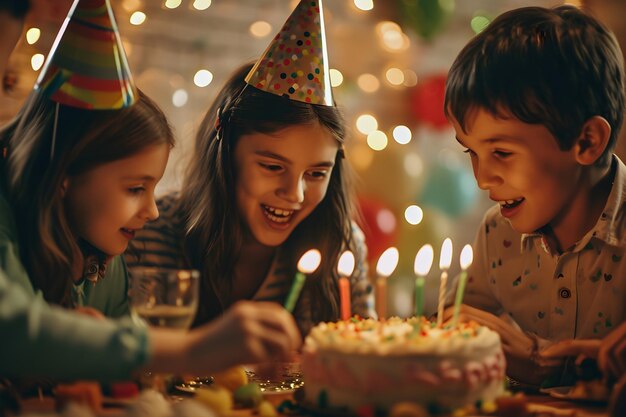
[{"x": 164, "y": 297}]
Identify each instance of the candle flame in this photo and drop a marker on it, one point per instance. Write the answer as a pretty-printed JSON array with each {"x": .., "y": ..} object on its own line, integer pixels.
[
  {"x": 467, "y": 256},
  {"x": 346, "y": 264},
  {"x": 424, "y": 260},
  {"x": 387, "y": 262},
  {"x": 445, "y": 259},
  {"x": 309, "y": 261}
]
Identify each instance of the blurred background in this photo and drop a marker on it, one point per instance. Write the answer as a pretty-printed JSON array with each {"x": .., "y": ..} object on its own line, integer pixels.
[{"x": 388, "y": 59}]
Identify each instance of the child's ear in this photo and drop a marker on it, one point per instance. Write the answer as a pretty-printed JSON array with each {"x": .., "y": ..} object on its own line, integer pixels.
[{"x": 593, "y": 140}]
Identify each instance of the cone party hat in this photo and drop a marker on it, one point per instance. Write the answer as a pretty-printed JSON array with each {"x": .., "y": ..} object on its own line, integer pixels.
[
  {"x": 295, "y": 64},
  {"x": 87, "y": 66}
]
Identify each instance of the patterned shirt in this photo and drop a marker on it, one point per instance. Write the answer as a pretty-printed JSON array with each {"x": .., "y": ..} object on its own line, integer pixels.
[
  {"x": 160, "y": 244},
  {"x": 577, "y": 294}
]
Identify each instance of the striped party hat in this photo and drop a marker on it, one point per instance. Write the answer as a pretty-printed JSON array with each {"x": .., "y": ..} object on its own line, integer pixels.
[
  {"x": 87, "y": 66},
  {"x": 295, "y": 64}
]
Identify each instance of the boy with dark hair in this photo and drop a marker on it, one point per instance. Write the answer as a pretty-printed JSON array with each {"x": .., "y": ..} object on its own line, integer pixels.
[{"x": 537, "y": 100}]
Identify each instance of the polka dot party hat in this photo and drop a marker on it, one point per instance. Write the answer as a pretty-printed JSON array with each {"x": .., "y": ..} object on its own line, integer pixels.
[
  {"x": 87, "y": 66},
  {"x": 295, "y": 64}
]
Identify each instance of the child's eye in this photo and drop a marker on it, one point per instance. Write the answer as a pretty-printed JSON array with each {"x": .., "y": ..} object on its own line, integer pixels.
[
  {"x": 318, "y": 175},
  {"x": 502, "y": 154},
  {"x": 270, "y": 167},
  {"x": 469, "y": 151},
  {"x": 136, "y": 190}
]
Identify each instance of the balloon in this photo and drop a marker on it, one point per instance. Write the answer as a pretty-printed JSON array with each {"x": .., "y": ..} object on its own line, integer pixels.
[
  {"x": 379, "y": 225},
  {"x": 450, "y": 188},
  {"x": 386, "y": 177},
  {"x": 427, "y": 101},
  {"x": 426, "y": 17}
]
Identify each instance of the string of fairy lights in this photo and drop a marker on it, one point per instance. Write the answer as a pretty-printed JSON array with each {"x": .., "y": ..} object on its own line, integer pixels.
[{"x": 391, "y": 38}]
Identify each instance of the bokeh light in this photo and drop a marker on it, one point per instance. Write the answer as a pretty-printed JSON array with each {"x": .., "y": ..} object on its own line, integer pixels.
[
  {"x": 402, "y": 134},
  {"x": 413, "y": 164},
  {"x": 377, "y": 140},
  {"x": 201, "y": 4},
  {"x": 365, "y": 5},
  {"x": 203, "y": 78},
  {"x": 414, "y": 214},
  {"x": 410, "y": 78},
  {"x": 172, "y": 4},
  {"x": 366, "y": 124},
  {"x": 180, "y": 97},
  {"x": 368, "y": 83},
  {"x": 37, "y": 61},
  {"x": 336, "y": 77},
  {"x": 260, "y": 29},
  {"x": 137, "y": 18},
  {"x": 32, "y": 35},
  {"x": 479, "y": 23},
  {"x": 386, "y": 221},
  {"x": 395, "y": 76}
]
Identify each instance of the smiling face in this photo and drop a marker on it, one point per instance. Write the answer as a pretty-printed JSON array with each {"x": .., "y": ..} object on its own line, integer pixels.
[
  {"x": 281, "y": 178},
  {"x": 106, "y": 205},
  {"x": 523, "y": 169}
]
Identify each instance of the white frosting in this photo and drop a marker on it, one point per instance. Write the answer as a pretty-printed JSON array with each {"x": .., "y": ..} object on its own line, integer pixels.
[{"x": 366, "y": 362}]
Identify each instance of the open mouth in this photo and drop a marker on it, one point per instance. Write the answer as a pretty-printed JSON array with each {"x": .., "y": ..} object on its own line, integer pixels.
[
  {"x": 128, "y": 232},
  {"x": 277, "y": 215},
  {"x": 509, "y": 204}
]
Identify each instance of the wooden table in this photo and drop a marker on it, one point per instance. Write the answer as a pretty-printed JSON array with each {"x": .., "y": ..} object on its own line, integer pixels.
[{"x": 540, "y": 405}]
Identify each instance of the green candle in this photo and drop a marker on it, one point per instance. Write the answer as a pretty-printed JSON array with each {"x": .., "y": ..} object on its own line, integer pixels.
[
  {"x": 294, "y": 293},
  {"x": 459, "y": 297},
  {"x": 307, "y": 264},
  {"x": 419, "y": 296}
]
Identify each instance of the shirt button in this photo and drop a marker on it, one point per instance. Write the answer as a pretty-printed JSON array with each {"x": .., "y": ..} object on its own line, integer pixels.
[{"x": 565, "y": 293}]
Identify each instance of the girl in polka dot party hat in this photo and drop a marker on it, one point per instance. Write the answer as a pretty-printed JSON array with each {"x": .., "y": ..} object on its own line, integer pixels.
[{"x": 268, "y": 180}]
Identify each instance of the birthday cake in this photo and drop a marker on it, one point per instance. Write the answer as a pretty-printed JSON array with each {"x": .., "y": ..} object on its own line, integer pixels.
[{"x": 368, "y": 363}]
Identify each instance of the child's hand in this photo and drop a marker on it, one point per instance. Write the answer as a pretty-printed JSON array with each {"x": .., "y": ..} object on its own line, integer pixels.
[
  {"x": 520, "y": 348},
  {"x": 514, "y": 341},
  {"x": 91, "y": 312},
  {"x": 251, "y": 332},
  {"x": 570, "y": 347},
  {"x": 612, "y": 353}
]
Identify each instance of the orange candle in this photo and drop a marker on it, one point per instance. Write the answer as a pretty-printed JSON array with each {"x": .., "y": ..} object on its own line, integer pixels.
[
  {"x": 384, "y": 268},
  {"x": 345, "y": 269}
]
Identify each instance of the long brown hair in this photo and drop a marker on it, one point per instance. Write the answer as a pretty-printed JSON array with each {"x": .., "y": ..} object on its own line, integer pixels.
[
  {"x": 214, "y": 229},
  {"x": 85, "y": 140}
]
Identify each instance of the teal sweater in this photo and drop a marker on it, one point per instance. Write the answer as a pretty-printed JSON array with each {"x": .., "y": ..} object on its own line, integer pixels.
[{"x": 41, "y": 340}]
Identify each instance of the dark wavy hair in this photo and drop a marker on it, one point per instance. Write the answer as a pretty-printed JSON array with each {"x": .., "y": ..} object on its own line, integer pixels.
[
  {"x": 85, "y": 140},
  {"x": 214, "y": 229},
  {"x": 556, "y": 67}
]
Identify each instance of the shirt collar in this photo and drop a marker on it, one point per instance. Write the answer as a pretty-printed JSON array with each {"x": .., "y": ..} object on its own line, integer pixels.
[{"x": 608, "y": 228}]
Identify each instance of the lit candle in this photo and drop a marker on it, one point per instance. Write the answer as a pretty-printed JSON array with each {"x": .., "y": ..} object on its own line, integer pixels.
[
  {"x": 384, "y": 268},
  {"x": 445, "y": 259},
  {"x": 423, "y": 262},
  {"x": 345, "y": 268},
  {"x": 307, "y": 264},
  {"x": 467, "y": 256}
]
